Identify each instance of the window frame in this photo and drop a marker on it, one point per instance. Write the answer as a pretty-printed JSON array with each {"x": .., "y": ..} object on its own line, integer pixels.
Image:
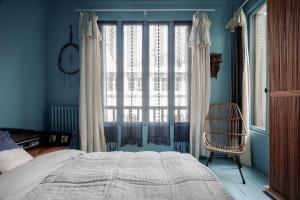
[
  {"x": 111, "y": 22},
  {"x": 252, "y": 51},
  {"x": 145, "y": 71},
  {"x": 168, "y": 23},
  {"x": 187, "y": 23},
  {"x": 121, "y": 73}
]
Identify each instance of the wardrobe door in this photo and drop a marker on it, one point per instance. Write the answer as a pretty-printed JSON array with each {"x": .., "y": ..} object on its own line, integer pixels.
[{"x": 284, "y": 73}]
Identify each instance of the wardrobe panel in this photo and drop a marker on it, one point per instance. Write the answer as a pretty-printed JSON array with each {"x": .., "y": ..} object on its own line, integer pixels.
[{"x": 284, "y": 83}]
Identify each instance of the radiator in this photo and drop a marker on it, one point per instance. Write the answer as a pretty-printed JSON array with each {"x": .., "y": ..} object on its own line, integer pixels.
[{"x": 64, "y": 119}]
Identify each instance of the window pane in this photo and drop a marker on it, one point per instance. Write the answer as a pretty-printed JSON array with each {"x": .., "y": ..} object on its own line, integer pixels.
[
  {"x": 133, "y": 38},
  {"x": 260, "y": 63},
  {"x": 109, "y": 64},
  {"x": 158, "y": 73},
  {"x": 182, "y": 73}
]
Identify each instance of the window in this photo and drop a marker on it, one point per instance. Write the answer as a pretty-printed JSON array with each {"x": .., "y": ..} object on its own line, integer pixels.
[
  {"x": 158, "y": 73},
  {"x": 182, "y": 73},
  {"x": 132, "y": 72},
  {"x": 109, "y": 63},
  {"x": 259, "y": 68},
  {"x": 137, "y": 90},
  {"x": 182, "y": 67}
]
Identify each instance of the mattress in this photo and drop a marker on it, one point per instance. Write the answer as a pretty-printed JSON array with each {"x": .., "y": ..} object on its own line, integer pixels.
[{"x": 72, "y": 174}]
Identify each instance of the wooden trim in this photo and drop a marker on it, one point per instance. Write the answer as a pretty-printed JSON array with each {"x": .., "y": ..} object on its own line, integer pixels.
[
  {"x": 272, "y": 193},
  {"x": 285, "y": 93}
]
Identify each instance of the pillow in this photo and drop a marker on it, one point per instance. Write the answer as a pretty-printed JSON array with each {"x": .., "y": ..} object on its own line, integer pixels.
[
  {"x": 6, "y": 142},
  {"x": 10, "y": 159}
]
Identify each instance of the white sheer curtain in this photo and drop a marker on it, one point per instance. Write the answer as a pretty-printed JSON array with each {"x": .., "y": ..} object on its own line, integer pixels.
[
  {"x": 239, "y": 19},
  {"x": 182, "y": 91},
  {"x": 90, "y": 102},
  {"x": 200, "y": 81},
  {"x": 158, "y": 132},
  {"x": 132, "y": 85}
]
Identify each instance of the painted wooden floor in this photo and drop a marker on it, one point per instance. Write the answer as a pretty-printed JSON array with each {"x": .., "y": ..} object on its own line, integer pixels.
[{"x": 227, "y": 171}]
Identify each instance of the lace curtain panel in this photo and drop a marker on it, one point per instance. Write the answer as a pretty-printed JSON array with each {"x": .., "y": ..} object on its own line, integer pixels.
[
  {"x": 182, "y": 87},
  {"x": 158, "y": 132},
  {"x": 109, "y": 82},
  {"x": 133, "y": 84}
]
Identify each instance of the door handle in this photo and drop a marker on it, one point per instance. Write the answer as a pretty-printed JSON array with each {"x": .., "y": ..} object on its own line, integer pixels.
[{"x": 266, "y": 90}]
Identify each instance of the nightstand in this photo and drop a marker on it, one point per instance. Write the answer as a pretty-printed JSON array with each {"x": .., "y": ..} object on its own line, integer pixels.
[
  {"x": 38, "y": 143},
  {"x": 38, "y": 151}
]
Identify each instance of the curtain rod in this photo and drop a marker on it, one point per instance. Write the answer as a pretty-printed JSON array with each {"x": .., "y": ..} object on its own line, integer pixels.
[
  {"x": 243, "y": 4},
  {"x": 142, "y": 10}
]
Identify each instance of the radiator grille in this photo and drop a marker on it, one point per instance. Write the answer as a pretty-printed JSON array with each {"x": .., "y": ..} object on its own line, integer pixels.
[{"x": 64, "y": 119}]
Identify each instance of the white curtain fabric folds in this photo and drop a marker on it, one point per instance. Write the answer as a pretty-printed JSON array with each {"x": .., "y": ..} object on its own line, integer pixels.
[
  {"x": 90, "y": 103},
  {"x": 200, "y": 82},
  {"x": 239, "y": 19}
]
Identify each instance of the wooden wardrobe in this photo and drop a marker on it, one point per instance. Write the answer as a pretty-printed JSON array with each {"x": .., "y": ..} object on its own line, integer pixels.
[{"x": 284, "y": 82}]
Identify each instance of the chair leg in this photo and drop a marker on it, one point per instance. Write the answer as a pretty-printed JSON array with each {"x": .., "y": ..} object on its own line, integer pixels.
[
  {"x": 239, "y": 166},
  {"x": 212, "y": 155},
  {"x": 210, "y": 158}
]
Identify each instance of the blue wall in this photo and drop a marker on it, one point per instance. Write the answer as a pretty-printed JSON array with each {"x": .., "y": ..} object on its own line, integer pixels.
[
  {"x": 260, "y": 151},
  {"x": 61, "y": 14},
  {"x": 32, "y": 34},
  {"x": 22, "y": 63},
  {"x": 259, "y": 138}
]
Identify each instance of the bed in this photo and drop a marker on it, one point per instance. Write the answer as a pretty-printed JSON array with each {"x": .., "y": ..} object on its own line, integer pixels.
[{"x": 75, "y": 175}]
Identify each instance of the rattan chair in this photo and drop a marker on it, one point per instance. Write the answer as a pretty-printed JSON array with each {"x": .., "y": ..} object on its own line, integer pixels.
[{"x": 225, "y": 132}]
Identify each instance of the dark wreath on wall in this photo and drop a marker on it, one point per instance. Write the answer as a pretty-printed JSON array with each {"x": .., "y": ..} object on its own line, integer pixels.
[{"x": 68, "y": 57}]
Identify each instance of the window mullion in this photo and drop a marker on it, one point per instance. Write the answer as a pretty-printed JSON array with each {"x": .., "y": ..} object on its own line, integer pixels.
[
  {"x": 171, "y": 74},
  {"x": 145, "y": 74},
  {"x": 119, "y": 79},
  {"x": 171, "y": 77}
]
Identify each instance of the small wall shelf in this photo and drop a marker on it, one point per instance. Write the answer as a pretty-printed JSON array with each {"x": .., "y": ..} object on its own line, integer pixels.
[{"x": 215, "y": 60}]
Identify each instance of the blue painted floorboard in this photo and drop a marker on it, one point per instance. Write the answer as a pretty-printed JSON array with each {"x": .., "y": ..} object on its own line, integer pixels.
[{"x": 227, "y": 171}]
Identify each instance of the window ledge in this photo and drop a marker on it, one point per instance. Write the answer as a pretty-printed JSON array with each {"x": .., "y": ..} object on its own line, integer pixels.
[{"x": 258, "y": 130}]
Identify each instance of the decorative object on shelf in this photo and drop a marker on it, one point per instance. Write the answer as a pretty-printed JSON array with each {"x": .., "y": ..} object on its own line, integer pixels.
[
  {"x": 28, "y": 139},
  {"x": 59, "y": 138},
  {"x": 25, "y": 138},
  {"x": 68, "y": 60},
  {"x": 215, "y": 60}
]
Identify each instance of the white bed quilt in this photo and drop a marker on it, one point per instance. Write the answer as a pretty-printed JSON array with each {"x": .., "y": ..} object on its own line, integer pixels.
[{"x": 132, "y": 176}]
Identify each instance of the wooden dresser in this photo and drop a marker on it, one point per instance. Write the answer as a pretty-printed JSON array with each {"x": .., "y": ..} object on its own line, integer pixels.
[
  {"x": 38, "y": 143},
  {"x": 35, "y": 152}
]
